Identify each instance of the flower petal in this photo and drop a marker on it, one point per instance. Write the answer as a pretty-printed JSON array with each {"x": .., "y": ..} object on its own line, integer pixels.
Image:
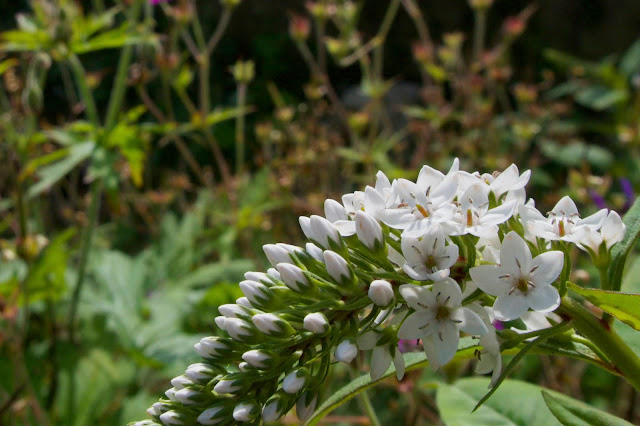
[
  {"x": 447, "y": 292},
  {"x": 487, "y": 277},
  {"x": 469, "y": 322},
  {"x": 417, "y": 297},
  {"x": 398, "y": 361},
  {"x": 380, "y": 361},
  {"x": 515, "y": 255},
  {"x": 543, "y": 299},
  {"x": 418, "y": 325},
  {"x": 548, "y": 267},
  {"x": 446, "y": 339},
  {"x": 507, "y": 308}
]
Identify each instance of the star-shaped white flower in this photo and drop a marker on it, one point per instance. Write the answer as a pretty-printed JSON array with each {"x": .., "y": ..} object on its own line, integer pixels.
[
  {"x": 429, "y": 258},
  {"x": 612, "y": 232},
  {"x": 563, "y": 222},
  {"x": 383, "y": 355},
  {"x": 438, "y": 319},
  {"x": 520, "y": 282},
  {"x": 474, "y": 217}
]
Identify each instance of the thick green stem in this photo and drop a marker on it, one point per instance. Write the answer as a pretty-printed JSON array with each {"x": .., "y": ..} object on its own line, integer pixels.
[
  {"x": 96, "y": 193},
  {"x": 605, "y": 338}
]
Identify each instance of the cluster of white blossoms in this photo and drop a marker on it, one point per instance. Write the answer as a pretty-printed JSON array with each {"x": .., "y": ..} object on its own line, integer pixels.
[{"x": 444, "y": 256}]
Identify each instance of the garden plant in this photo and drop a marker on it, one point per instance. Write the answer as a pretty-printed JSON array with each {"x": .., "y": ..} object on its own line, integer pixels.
[{"x": 337, "y": 211}]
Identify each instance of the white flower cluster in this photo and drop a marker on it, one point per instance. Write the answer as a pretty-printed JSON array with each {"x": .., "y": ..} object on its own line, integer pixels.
[{"x": 427, "y": 260}]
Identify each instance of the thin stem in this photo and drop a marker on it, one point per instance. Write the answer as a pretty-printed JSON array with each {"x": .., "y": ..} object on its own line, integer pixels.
[
  {"x": 479, "y": 32},
  {"x": 605, "y": 338},
  {"x": 96, "y": 194},
  {"x": 120, "y": 82},
  {"x": 80, "y": 76},
  {"x": 223, "y": 23},
  {"x": 378, "y": 54},
  {"x": 364, "y": 397},
  {"x": 242, "y": 100},
  {"x": 418, "y": 20},
  {"x": 588, "y": 343}
]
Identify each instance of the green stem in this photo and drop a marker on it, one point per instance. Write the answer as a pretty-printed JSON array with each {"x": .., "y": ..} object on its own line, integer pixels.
[
  {"x": 479, "y": 31},
  {"x": 242, "y": 101},
  {"x": 378, "y": 53},
  {"x": 364, "y": 399},
  {"x": 119, "y": 85},
  {"x": 605, "y": 339},
  {"x": 96, "y": 193},
  {"x": 80, "y": 76}
]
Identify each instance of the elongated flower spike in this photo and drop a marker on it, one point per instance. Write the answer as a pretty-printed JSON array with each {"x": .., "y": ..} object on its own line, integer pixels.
[{"x": 381, "y": 267}]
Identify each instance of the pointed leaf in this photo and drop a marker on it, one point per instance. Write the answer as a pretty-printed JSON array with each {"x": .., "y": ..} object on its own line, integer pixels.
[
  {"x": 571, "y": 412},
  {"x": 621, "y": 250},
  {"x": 517, "y": 403},
  {"x": 623, "y": 306}
]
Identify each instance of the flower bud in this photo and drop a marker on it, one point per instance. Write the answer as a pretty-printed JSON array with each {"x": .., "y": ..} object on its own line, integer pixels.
[
  {"x": 324, "y": 233},
  {"x": 369, "y": 231},
  {"x": 306, "y": 405},
  {"x": 381, "y": 293},
  {"x": 214, "y": 415},
  {"x": 272, "y": 325},
  {"x": 274, "y": 274},
  {"x": 334, "y": 211},
  {"x": 305, "y": 225},
  {"x": 173, "y": 418},
  {"x": 260, "y": 277},
  {"x": 245, "y": 366},
  {"x": 316, "y": 323},
  {"x": 315, "y": 252},
  {"x": 293, "y": 277},
  {"x": 276, "y": 254},
  {"x": 190, "y": 396},
  {"x": 200, "y": 373},
  {"x": 239, "y": 330},
  {"x": 171, "y": 394},
  {"x": 246, "y": 412},
  {"x": 346, "y": 351},
  {"x": 156, "y": 409},
  {"x": 232, "y": 310},
  {"x": 212, "y": 348},
  {"x": 274, "y": 408},
  {"x": 181, "y": 382},
  {"x": 220, "y": 322},
  {"x": 259, "y": 358},
  {"x": 147, "y": 422},
  {"x": 337, "y": 267},
  {"x": 295, "y": 381},
  {"x": 243, "y": 301},
  {"x": 257, "y": 293},
  {"x": 227, "y": 386}
]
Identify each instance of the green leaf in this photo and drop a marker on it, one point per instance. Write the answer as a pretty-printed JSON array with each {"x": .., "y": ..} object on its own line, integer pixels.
[
  {"x": 630, "y": 62},
  {"x": 600, "y": 97},
  {"x": 51, "y": 174},
  {"x": 623, "y": 306},
  {"x": 621, "y": 250},
  {"x": 517, "y": 403},
  {"x": 571, "y": 412},
  {"x": 413, "y": 361}
]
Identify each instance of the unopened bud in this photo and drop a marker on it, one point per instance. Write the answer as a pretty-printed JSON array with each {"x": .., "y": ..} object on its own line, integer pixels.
[
  {"x": 239, "y": 329},
  {"x": 246, "y": 412},
  {"x": 173, "y": 418},
  {"x": 257, "y": 293},
  {"x": 243, "y": 71},
  {"x": 293, "y": 277},
  {"x": 276, "y": 254},
  {"x": 315, "y": 252},
  {"x": 199, "y": 372},
  {"x": 299, "y": 27},
  {"x": 337, "y": 267},
  {"x": 334, "y": 211},
  {"x": 316, "y": 323},
  {"x": 381, "y": 293},
  {"x": 227, "y": 386},
  {"x": 346, "y": 351},
  {"x": 272, "y": 325},
  {"x": 214, "y": 415},
  {"x": 258, "y": 358},
  {"x": 274, "y": 408},
  {"x": 232, "y": 310},
  {"x": 212, "y": 348},
  {"x": 190, "y": 396},
  {"x": 180, "y": 382},
  {"x": 324, "y": 233},
  {"x": 369, "y": 231},
  {"x": 306, "y": 406},
  {"x": 295, "y": 381}
]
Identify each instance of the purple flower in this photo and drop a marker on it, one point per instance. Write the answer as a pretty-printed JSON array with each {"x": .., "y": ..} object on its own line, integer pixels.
[
  {"x": 627, "y": 189},
  {"x": 597, "y": 199}
]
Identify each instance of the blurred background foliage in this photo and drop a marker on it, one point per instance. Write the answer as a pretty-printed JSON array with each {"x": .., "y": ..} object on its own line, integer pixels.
[{"x": 149, "y": 150}]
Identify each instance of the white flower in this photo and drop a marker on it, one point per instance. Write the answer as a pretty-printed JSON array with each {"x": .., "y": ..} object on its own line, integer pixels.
[
  {"x": 429, "y": 258},
  {"x": 293, "y": 277},
  {"x": 186, "y": 396},
  {"x": 563, "y": 223},
  {"x": 422, "y": 206},
  {"x": 277, "y": 254},
  {"x": 272, "y": 325},
  {"x": 199, "y": 372},
  {"x": 612, "y": 232},
  {"x": 438, "y": 319},
  {"x": 346, "y": 351},
  {"x": 314, "y": 251},
  {"x": 489, "y": 358},
  {"x": 382, "y": 355},
  {"x": 212, "y": 416},
  {"x": 211, "y": 347},
  {"x": 257, "y": 293},
  {"x": 520, "y": 282},
  {"x": 509, "y": 180},
  {"x": 474, "y": 216},
  {"x": 381, "y": 293}
]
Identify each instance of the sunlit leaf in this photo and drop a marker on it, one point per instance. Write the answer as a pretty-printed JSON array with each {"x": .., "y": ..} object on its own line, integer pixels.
[
  {"x": 571, "y": 412},
  {"x": 630, "y": 63},
  {"x": 623, "y": 306},
  {"x": 621, "y": 250}
]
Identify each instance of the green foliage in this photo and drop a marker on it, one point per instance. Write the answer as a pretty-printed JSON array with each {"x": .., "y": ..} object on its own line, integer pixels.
[
  {"x": 571, "y": 412},
  {"x": 621, "y": 305}
]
